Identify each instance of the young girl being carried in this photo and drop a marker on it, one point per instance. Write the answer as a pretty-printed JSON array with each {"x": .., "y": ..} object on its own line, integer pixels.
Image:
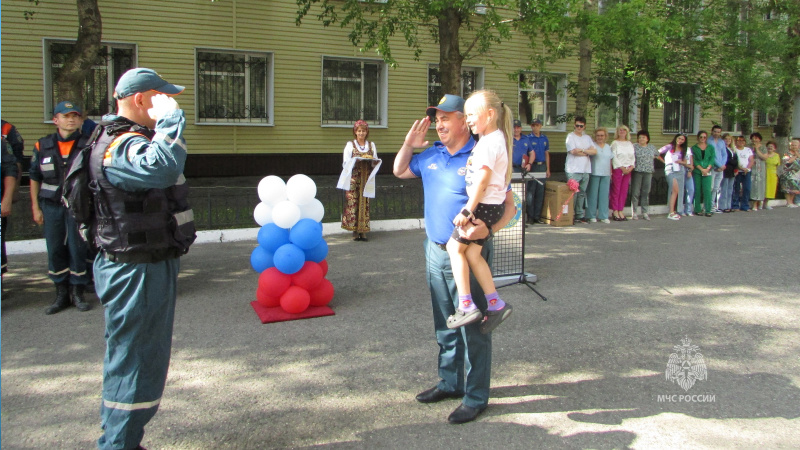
[{"x": 488, "y": 176}]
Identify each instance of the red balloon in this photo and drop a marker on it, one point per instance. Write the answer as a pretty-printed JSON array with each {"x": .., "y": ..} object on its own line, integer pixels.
[
  {"x": 322, "y": 294},
  {"x": 267, "y": 301},
  {"x": 308, "y": 277},
  {"x": 273, "y": 282},
  {"x": 295, "y": 300},
  {"x": 324, "y": 265}
]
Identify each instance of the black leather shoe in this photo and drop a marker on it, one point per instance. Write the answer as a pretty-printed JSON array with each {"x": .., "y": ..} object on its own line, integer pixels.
[
  {"x": 434, "y": 395},
  {"x": 464, "y": 414}
]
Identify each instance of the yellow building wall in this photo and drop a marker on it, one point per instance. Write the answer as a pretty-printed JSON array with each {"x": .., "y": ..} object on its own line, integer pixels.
[{"x": 169, "y": 32}]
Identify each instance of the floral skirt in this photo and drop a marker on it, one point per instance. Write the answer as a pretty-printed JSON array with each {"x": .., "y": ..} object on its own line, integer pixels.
[{"x": 355, "y": 216}]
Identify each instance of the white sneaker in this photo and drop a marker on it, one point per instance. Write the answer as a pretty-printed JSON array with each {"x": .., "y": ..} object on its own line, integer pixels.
[
  {"x": 768, "y": 208},
  {"x": 605, "y": 221},
  {"x": 791, "y": 205},
  {"x": 634, "y": 216},
  {"x": 645, "y": 216},
  {"x": 673, "y": 216}
]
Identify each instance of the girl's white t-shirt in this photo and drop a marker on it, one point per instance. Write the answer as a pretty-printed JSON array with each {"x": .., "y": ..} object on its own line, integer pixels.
[{"x": 491, "y": 152}]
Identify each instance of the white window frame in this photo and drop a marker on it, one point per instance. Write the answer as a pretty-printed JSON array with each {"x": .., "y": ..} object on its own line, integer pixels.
[
  {"x": 478, "y": 71},
  {"x": 269, "y": 90},
  {"x": 383, "y": 94},
  {"x": 47, "y": 74},
  {"x": 560, "y": 100},
  {"x": 695, "y": 116}
]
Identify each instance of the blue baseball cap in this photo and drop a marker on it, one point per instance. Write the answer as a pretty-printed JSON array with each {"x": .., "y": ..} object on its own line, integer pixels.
[
  {"x": 66, "y": 108},
  {"x": 143, "y": 80},
  {"x": 448, "y": 103}
]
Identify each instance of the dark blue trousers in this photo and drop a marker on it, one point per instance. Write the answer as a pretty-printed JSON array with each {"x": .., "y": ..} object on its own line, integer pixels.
[
  {"x": 67, "y": 252},
  {"x": 139, "y": 304},
  {"x": 741, "y": 191},
  {"x": 465, "y": 355}
]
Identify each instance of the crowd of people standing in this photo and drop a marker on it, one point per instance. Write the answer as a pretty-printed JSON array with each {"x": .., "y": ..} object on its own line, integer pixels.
[{"x": 718, "y": 174}]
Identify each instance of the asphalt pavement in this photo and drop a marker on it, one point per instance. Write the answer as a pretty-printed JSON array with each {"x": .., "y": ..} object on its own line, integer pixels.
[{"x": 585, "y": 369}]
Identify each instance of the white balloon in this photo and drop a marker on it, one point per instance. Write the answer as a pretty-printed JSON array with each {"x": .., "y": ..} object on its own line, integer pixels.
[
  {"x": 272, "y": 190},
  {"x": 313, "y": 210},
  {"x": 285, "y": 214},
  {"x": 301, "y": 189},
  {"x": 263, "y": 214}
]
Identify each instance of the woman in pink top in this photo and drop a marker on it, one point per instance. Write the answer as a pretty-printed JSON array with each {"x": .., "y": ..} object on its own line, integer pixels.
[{"x": 622, "y": 164}]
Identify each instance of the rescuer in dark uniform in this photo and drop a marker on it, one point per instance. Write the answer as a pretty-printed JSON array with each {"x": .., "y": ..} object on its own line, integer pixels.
[
  {"x": 67, "y": 252},
  {"x": 143, "y": 225}
]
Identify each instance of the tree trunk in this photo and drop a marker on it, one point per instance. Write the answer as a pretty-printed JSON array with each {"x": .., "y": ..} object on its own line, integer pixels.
[
  {"x": 625, "y": 108},
  {"x": 450, "y": 57},
  {"x": 585, "y": 67},
  {"x": 84, "y": 54},
  {"x": 644, "y": 110}
]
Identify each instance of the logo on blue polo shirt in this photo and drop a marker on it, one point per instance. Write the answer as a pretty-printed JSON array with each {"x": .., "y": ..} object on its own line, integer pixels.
[
  {"x": 462, "y": 171},
  {"x": 433, "y": 166}
]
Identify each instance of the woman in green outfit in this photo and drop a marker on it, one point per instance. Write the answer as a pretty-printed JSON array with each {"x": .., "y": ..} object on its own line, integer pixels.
[{"x": 704, "y": 156}]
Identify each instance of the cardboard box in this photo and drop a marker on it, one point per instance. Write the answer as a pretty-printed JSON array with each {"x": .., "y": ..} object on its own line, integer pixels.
[{"x": 558, "y": 199}]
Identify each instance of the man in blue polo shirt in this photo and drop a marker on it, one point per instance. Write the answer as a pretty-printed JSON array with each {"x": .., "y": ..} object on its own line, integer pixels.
[
  {"x": 465, "y": 354},
  {"x": 720, "y": 159},
  {"x": 521, "y": 148},
  {"x": 539, "y": 159}
]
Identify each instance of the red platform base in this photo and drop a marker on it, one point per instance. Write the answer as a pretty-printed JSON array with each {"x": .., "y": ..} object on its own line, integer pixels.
[{"x": 277, "y": 314}]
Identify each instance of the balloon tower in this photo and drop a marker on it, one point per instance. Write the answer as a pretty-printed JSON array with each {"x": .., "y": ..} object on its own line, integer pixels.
[{"x": 290, "y": 256}]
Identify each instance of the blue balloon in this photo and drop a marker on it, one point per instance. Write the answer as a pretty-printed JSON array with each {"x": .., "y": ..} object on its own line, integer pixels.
[
  {"x": 318, "y": 253},
  {"x": 271, "y": 237},
  {"x": 289, "y": 258},
  {"x": 261, "y": 259},
  {"x": 306, "y": 233}
]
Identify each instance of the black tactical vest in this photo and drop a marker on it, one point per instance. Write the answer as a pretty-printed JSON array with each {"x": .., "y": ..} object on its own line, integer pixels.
[
  {"x": 55, "y": 168},
  {"x": 156, "y": 222}
]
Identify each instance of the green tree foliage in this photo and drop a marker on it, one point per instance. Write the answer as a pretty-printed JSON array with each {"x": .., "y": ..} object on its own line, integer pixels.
[
  {"x": 462, "y": 28},
  {"x": 643, "y": 47}
]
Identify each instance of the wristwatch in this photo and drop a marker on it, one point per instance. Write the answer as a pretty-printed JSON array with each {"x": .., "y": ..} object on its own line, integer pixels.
[{"x": 466, "y": 213}]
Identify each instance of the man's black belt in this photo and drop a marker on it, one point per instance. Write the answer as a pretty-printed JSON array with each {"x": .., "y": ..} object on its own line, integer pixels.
[
  {"x": 142, "y": 257},
  {"x": 441, "y": 246}
]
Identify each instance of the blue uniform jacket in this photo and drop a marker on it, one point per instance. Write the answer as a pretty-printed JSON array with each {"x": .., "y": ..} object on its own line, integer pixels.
[
  {"x": 138, "y": 164},
  {"x": 539, "y": 145}
]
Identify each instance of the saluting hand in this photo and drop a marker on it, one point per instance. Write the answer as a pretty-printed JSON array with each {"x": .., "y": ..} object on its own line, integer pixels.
[
  {"x": 162, "y": 104},
  {"x": 415, "y": 137}
]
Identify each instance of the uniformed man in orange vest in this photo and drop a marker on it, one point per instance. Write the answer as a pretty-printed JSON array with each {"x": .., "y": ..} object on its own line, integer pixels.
[
  {"x": 67, "y": 252},
  {"x": 14, "y": 139}
]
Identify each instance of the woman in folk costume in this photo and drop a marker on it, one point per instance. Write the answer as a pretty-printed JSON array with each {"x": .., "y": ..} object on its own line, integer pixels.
[{"x": 355, "y": 216}]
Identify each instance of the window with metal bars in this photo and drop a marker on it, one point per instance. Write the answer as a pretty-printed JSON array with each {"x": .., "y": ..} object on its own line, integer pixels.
[
  {"x": 541, "y": 97},
  {"x": 471, "y": 81},
  {"x": 112, "y": 61},
  {"x": 353, "y": 89},
  {"x": 680, "y": 115},
  {"x": 233, "y": 87}
]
